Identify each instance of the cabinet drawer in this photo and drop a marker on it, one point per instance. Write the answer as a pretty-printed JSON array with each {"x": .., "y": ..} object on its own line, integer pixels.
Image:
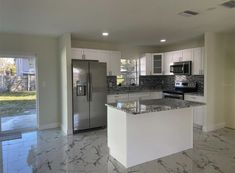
[
  {"x": 139, "y": 94},
  {"x": 194, "y": 98},
  {"x": 155, "y": 95},
  {"x": 116, "y": 97}
]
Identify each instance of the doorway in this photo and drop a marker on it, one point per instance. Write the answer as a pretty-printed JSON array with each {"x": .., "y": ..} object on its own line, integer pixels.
[{"x": 18, "y": 94}]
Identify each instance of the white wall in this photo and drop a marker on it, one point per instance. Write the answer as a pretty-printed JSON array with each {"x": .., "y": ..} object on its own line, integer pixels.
[
  {"x": 46, "y": 51},
  {"x": 214, "y": 80},
  {"x": 65, "y": 83},
  {"x": 185, "y": 44},
  {"x": 229, "y": 76}
]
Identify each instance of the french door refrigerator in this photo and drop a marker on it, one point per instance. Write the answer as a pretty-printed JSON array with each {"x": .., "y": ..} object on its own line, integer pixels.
[{"x": 89, "y": 94}]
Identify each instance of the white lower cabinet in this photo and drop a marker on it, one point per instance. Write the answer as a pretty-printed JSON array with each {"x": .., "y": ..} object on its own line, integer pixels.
[
  {"x": 112, "y": 98},
  {"x": 198, "y": 112}
]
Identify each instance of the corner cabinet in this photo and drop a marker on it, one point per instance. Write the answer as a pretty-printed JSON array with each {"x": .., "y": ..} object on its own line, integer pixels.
[{"x": 111, "y": 58}]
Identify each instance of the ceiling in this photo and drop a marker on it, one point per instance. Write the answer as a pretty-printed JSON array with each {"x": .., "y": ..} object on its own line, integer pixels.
[{"x": 137, "y": 22}]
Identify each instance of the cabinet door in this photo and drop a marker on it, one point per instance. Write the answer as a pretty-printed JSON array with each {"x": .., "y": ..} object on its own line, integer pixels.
[
  {"x": 76, "y": 53},
  {"x": 187, "y": 55},
  {"x": 103, "y": 56},
  {"x": 114, "y": 63},
  {"x": 91, "y": 54},
  {"x": 149, "y": 60},
  {"x": 198, "y": 115},
  {"x": 142, "y": 68},
  {"x": 146, "y": 64},
  {"x": 197, "y": 61},
  {"x": 167, "y": 61},
  {"x": 177, "y": 56},
  {"x": 157, "y": 64}
]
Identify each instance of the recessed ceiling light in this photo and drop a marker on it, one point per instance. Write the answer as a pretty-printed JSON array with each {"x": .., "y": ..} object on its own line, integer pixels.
[
  {"x": 229, "y": 4},
  {"x": 163, "y": 40},
  {"x": 105, "y": 33}
]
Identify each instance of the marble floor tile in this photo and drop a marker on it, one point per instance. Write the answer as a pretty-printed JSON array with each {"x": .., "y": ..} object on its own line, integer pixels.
[{"x": 52, "y": 152}]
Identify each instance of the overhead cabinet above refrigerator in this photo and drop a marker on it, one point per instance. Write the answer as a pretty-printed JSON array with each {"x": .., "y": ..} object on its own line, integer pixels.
[
  {"x": 111, "y": 58},
  {"x": 89, "y": 94}
]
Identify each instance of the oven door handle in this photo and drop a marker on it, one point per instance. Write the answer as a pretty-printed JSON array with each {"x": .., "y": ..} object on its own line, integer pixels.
[{"x": 168, "y": 95}]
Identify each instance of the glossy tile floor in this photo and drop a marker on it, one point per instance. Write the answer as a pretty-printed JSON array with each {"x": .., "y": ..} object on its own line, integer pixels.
[{"x": 51, "y": 151}]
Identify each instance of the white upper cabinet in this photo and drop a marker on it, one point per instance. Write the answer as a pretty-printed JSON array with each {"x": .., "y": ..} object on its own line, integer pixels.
[
  {"x": 157, "y": 63},
  {"x": 187, "y": 55},
  {"x": 92, "y": 54},
  {"x": 167, "y": 62},
  {"x": 177, "y": 56},
  {"x": 114, "y": 63},
  {"x": 150, "y": 64},
  {"x": 198, "y": 61},
  {"x": 111, "y": 58},
  {"x": 146, "y": 64},
  {"x": 77, "y": 53}
]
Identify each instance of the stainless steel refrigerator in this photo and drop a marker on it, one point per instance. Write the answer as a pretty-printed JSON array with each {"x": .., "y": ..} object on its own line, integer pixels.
[{"x": 89, "y": 94}]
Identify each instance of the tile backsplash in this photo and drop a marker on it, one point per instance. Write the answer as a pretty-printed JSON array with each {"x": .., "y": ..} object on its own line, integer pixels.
[
  {"x": 165, "y": 82},
  {"x": 198, "y": 79},
  {"x": 111, "y": 81},
  {"x": 157, "y": 82}
]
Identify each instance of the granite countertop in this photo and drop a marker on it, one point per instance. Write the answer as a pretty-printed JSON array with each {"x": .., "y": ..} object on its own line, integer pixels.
[
  {"x": 132, "y": 91},
  {"x": 154, "y": 105}
]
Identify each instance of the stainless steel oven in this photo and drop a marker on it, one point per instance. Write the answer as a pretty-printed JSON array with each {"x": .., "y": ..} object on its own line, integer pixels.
[
  {"x": 181, "y": 87},
  {"x": 181, "y": 68}
]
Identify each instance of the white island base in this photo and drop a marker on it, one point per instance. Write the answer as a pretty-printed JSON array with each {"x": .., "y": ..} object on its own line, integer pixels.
[{"x": 135, "y": 139}]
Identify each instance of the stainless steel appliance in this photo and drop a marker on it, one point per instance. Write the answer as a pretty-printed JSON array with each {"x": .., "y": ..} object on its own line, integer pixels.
[
  {"x": 89, "y": 94},
  {"x": 181, "y": 68},
  {"x": 180, "y": 88}
]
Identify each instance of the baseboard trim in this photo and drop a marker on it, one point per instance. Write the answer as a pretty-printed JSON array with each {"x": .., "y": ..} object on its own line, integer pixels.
[
  {"x": 214, "y": 127},
  {"x": 65, "y": 131},
  {"x": 49, "y": 126}
]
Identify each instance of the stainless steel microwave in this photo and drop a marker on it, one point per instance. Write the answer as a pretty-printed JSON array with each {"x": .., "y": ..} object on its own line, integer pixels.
[{"x": 181, "y": 68}]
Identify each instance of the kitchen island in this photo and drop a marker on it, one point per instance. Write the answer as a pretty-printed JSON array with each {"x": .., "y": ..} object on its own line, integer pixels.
[{"x": 145, "y": 130}]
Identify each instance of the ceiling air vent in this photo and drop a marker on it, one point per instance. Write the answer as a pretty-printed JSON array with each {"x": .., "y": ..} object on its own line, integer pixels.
[
  {"x": 229, "y": 4},
  {"x": 188, "y": 13}
]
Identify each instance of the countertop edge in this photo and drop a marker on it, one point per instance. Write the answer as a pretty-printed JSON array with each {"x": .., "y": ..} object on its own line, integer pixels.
[{"x": 194, "y": 104}]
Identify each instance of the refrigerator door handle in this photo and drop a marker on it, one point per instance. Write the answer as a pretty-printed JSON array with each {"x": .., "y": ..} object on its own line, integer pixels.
[
  {"x": 88, "y": 87},
  {"x": 90, "y": 79}
]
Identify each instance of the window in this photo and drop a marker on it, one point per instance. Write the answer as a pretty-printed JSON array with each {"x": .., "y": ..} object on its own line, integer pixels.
[{"x": 129, "y": 72}]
